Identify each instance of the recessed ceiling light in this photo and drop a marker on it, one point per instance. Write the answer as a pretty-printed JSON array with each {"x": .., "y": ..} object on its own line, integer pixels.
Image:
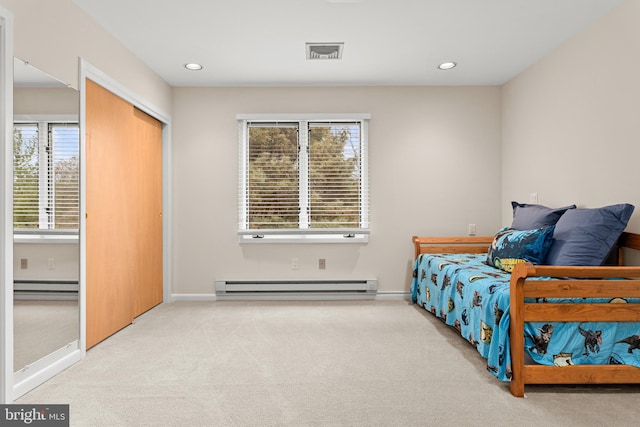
[
  {"x": 447, "y": 65},
  {"x": 193, "y": 67}
]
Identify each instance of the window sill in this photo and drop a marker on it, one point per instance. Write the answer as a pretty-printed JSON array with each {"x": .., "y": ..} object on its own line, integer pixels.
[
  {"x": 45, "y": 239},
  {"x": 303, "y": 238}
]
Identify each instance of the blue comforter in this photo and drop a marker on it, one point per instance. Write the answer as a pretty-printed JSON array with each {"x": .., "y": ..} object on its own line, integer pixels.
[{"x": 473, "y": 297}]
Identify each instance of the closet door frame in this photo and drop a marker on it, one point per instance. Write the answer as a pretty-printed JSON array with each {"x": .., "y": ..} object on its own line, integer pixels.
[{"x": 88, "y": 71}]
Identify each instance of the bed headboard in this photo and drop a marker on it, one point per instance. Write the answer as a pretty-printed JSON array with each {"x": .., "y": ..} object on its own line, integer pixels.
[
  {"x": 451, "y": 245},
  {"x": 629, "y": 240},
  {"x": 480, "y": 244}
]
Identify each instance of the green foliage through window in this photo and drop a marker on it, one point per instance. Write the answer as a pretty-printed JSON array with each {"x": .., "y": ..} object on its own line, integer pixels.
[
  {"x": 273, "y": 177},
  {"x": 26, "y": 167},
  {"x": 45, "y": 183},
  {"x": 303, "y": 175},
  {"x": 334, "y": 170}
]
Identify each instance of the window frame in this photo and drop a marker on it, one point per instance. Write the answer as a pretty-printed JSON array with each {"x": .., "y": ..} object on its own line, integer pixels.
[
  {"x": 47, "y": 235},
  {"x": 302, "y": 235}
]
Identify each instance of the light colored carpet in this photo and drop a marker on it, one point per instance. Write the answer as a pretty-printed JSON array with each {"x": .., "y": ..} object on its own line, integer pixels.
[
  {"x": 307, "y": 364},
  {"x": 42, "y": 327}
]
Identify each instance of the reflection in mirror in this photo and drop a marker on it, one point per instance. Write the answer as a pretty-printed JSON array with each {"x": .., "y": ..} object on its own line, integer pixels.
[{"x": 46, "y": 251}]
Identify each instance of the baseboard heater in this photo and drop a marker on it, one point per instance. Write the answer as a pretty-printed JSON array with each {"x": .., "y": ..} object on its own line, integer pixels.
[
  {"x": 45, "y": 289},
  {"x": 296, "y": 289}
]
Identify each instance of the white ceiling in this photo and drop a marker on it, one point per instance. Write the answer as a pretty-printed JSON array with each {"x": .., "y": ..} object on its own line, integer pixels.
[{"x": 386, "y": 42}]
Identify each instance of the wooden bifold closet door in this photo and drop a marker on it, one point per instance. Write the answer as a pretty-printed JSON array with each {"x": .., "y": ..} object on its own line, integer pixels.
[{"x": 124, "y": 212}]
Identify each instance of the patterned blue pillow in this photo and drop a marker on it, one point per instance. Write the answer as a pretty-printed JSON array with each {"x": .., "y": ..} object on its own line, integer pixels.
[{"x": 511, "y": 247}]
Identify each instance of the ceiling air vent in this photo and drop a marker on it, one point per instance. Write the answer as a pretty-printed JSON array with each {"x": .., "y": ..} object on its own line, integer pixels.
[{"x": 324, "y": 50}]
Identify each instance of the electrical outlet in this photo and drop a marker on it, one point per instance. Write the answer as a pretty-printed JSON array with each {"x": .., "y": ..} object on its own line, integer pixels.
[
  {"x": 533, "y": 198},
  {"x": 295, "y": 263},
  {"x": 24, "y": 263},
  {"x": 322, "y": 263},
  {"x": 472, "y": 229}
]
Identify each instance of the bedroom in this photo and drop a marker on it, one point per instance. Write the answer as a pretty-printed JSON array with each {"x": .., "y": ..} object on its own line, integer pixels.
[{"x": 565, "y": 129}]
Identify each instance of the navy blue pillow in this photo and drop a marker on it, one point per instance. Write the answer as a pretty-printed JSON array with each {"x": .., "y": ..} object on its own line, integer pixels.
[
  {"x": 587, "y": 236},
  {"x": 511, "y": 247},
  {"x": 529, "y": 217}
]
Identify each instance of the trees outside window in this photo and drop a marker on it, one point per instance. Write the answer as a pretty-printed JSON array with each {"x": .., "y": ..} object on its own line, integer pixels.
[
  {"x": 45, "y": 184},
  {"x": 303, "y": 177}
]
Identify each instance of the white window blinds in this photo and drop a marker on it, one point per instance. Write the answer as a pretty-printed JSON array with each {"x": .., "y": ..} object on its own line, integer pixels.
[
  {"x": 335, "y": 172},
  {"x": 273, "y": 186},
  {"x": 64, "y": 178},
  {"x": 45, "y": 187},
  {"x": 26, "y": 176},
  {"x": 303, "y": 177}
]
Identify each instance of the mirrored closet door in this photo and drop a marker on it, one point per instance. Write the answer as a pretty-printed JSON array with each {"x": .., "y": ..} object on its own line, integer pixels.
[{"x": 46, "y": 200}]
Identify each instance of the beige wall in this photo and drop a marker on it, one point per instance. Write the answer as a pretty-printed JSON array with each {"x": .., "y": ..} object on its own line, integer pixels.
[
  {"x": 27, "y": 101},
  {"x": 434, "y": 168},
  {"x": 65, "y": 256},
  {"x": 566, "y": 129},
  {"x": 571, "y": 123},
  {"x": 51, "y": 35}
]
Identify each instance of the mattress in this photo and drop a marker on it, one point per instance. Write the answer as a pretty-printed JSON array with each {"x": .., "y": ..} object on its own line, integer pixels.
[{"x": 473, "y": 297}]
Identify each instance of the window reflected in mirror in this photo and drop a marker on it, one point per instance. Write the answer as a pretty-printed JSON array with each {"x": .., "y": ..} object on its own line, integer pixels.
[{"x": 46, "y": 206}]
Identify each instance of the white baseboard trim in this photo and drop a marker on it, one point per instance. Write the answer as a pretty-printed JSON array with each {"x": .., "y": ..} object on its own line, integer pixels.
[
  {"x": 193, "y": 297},
  {"x": 393, "y": 296}
]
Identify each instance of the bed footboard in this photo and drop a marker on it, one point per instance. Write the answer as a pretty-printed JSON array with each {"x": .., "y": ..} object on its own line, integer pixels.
[{"x": 588, "y": 282}]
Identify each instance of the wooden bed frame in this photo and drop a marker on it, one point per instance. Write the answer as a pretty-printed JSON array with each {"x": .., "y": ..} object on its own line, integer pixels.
[{"x": 588, "y": 282}]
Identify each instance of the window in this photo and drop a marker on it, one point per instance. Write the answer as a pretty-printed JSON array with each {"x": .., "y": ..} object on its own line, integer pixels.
[
  {"x": 45, "y": 177},
  {"x": 303, "y": 179}
]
